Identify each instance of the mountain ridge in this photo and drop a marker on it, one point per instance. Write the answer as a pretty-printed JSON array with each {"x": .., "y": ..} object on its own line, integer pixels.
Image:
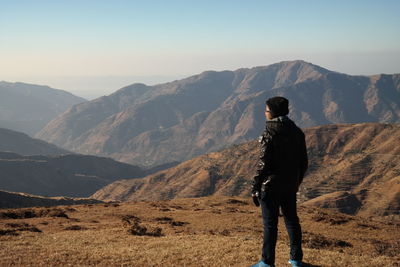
[
  {"x": 176, "y": 121},
  {"x": 28, "y": 107}
]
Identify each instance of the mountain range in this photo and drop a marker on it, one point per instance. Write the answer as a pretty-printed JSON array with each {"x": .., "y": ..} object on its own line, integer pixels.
[
  {"x": 28, "y": 108},
  {"x": 176, "y": 121},
  {"x": 354, "y": 168}
]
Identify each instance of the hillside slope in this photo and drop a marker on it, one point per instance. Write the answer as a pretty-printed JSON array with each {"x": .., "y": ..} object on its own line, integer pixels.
[
  {"x": 28, "y": 107},
  {"x": 65, "y": 175},
  {"x": 176, "y": 121},
  {"x": 354, "y": 168},
  {"x": 21, "y": 143}
]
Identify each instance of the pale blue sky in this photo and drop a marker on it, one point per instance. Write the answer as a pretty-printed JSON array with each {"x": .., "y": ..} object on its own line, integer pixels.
[{"x": 100, "y": 46}]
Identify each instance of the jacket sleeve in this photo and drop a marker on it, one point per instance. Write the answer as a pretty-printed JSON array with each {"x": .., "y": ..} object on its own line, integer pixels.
[
  {"x": 264, "y": 163},
  {"x": 304, "y": 158}
]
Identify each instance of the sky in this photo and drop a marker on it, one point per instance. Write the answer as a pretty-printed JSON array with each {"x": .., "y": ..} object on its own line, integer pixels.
[{"x": 94, "y": 47}]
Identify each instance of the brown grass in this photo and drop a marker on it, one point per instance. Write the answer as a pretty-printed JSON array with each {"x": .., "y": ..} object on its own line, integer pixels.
[{"x": 187, "y": 232}]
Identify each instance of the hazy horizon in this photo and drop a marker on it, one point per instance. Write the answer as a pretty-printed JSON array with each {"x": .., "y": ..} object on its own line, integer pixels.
[{"x": 92, "y": 48}]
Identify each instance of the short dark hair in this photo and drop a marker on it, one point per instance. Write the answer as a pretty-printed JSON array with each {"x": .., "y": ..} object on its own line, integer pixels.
[{"x": 278, "y": 106}]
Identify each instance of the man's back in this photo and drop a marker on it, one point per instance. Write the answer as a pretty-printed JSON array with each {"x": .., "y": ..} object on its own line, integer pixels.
[{"x": 289, "y": 155}]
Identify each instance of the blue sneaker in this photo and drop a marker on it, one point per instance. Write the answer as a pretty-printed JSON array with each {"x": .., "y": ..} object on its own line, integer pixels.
[
  {"x": 295, "y": 263},
  {"x": 262, "y": 264}
]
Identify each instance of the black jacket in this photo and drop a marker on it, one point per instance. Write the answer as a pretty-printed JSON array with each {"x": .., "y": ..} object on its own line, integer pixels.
[{"x": 283, "y": 156}]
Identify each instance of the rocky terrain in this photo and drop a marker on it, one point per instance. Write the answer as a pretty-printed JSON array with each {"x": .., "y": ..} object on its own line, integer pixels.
[
  {"x": 28, "y": 107},
  {"x": 176, "y": 121},
  {"x": 354, "y": 168}
]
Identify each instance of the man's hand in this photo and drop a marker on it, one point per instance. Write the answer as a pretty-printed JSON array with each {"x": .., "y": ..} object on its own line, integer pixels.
[
  {"x": 255, "y": 193},
  {"x": 256, "y": 200}
]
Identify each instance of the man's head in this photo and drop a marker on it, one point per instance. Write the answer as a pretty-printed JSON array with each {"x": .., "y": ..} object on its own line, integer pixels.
[{"x": 276, "y": 106}]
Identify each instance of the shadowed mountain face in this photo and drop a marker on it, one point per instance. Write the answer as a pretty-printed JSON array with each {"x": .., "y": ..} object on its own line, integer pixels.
[
  {"x": 48, "y": 170},
  {"x": 21, "y": 143},
  {"x": 354, "y": 168},
  {"x": 176, "y": 121},
  {"x": 28, "y": 108},
  {"x": 67, "y": 175}
]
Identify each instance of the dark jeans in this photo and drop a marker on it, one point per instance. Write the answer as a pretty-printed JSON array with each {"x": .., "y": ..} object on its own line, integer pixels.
[{"x": 270, "y": 203}]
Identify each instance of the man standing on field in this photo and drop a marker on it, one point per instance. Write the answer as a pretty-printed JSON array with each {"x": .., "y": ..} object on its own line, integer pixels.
[{"x": 283, "y": 162}]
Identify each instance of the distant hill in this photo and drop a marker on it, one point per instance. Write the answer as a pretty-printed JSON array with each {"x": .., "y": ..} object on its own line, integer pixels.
[
  {"x": 21, "y": 143},
  {"x": 10, "y": 200},
  {"x": 354, "y": 168},
  {"x": 65, "y": 175},
  {"x": 176, "y": 121},
  {"x": 28, "y": 108}
]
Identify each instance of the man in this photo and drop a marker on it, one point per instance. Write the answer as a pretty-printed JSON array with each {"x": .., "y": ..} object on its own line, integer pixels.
[{"x": 283, "y": 162}]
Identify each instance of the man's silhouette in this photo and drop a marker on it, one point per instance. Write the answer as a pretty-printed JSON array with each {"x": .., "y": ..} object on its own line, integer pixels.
[{"x": 283, "y": 162}]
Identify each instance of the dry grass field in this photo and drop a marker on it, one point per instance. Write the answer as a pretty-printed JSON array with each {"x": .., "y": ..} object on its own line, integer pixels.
[{"x": 209, "y": 231}]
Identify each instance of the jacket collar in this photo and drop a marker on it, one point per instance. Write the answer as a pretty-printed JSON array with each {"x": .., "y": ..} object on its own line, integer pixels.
[{"x": 280, "y": 119}]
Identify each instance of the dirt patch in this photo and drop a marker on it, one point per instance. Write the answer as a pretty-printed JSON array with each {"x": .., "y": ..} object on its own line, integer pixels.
[
  {"x": 223, "y": 233},
  {"x": 177, "y": 207},
  {"x": 30, "y": 229},
  {"x": 165, "y": 209},
  {"x": 232, "y": 210},
  {"x": 18, "y": 214},
  {"x": 368, "y": 226},
  {"x": 30, "y": 213},
  {"x": 137, "y": 229},
  {"x": 317, "y": 241},
  {"x": 236, "y": 202},
  {"x": 171, "y": 221},
  {"x": 17, "y": 225},
  {"x": 128, "y": 220},
  {"x": 111, "y": 204},
  {"x": 75, "y": 228},
  {"x": 8, "y": 232},
  {"x": 164, "y": 219},
  {"x": 178, "y": 223},
  {"x": 132, "y": 222},
  {"x": 54, "y": 213},
  {"x": 384, "y": 248},
  {"x": 321, "y": 216},
  {"x": 23, "y": 227}
]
